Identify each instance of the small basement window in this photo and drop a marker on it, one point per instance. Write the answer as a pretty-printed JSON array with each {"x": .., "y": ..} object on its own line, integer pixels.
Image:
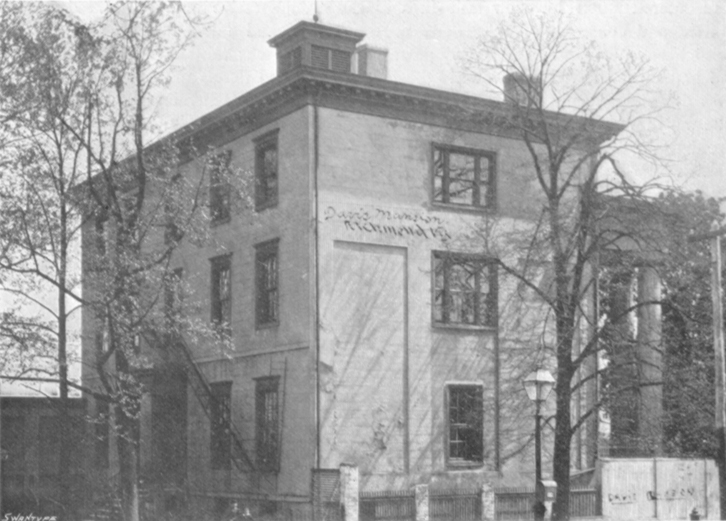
[{"x": 465, "y": 418}]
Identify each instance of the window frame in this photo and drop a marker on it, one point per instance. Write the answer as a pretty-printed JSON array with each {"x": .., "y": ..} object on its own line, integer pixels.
[
  {"x": 100, "y": 336},
  {"x": 220, "y": 193},
  {"x": 173, "y": 296},
  {"x": 220, "y": 442},
  {"x": 453, "y": 462},
  {"x": 100, "y": 236},
  {"x": 267, "y": 429},
  {"x": 263, "y": 198},
  {"x": 263, "y": 318},
  {"x": 489, "y": 202},
  {"x": 173, "y": 234},
  {"x": 216, "y": 303},
  {"x": 173, "y": 300},
  {"x": 488, "y": 265}
]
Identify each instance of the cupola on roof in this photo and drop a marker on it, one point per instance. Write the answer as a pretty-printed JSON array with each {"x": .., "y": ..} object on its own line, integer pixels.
[{"x": 315, "y": 45}]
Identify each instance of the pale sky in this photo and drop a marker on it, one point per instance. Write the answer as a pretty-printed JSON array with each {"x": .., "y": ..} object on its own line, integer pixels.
[{"x": 425, "y": 39}]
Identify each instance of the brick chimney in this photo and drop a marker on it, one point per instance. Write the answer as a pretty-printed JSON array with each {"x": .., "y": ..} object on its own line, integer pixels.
[
  {"x": 372, "y": 61},
  {"x": 523, "y": 90}
]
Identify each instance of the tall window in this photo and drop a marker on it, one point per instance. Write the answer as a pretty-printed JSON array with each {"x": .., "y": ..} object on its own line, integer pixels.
[
  {"x": 266, "y": 185},
  {"x": 465, "y": 415},
  {"x": 220, "y": 418},
  {"x": 464, "y": 177},
  {"x": 464, "y": 290},
  {"x": 101, "y": 234},
  {"x": 266, "y": 276},
  {"x": 222, "y": 293},
  {"x": 267, "y": 431},
  {"x": 173, "y": 233},
  {"x": 101, "y": 339},
  {"x": 173, "y": 295},
  {"x": 219, "y": 187}
]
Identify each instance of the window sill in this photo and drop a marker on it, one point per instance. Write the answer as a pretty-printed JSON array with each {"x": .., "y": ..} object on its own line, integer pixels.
[
  {"x": 462, "y": 208},
  {"x": 267, "y": 325},
  {"x": 266, "y": 205},
  {"x": 463, "y": 327},
  {"x": 454, "y": 466}
]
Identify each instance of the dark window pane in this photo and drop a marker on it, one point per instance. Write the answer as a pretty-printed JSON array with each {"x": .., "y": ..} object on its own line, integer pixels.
[
  {"x": 220, "y": 419},
  {"x": 440, "y": 176},
  {"x": 219, "y": 187},
  {"x": 172, "y": 294},
  {"x": 466, "y": 430},
  {"x": 266, "y": 178},
  {"x": 266, "y": 283},
  {"x": 462, "y": 177},
  {"x": 463, "y": 290},
  {"x": 222, "y": 293},
  {"x": 267, "y": 423},
  {"x": 101, "y": 235}
]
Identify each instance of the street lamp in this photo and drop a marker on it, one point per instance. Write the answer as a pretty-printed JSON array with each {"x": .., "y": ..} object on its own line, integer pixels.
[{"x": 538, "y": 385}]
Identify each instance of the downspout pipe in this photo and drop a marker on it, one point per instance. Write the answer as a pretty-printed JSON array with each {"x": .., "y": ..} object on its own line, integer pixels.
[{"x": 316, "y": 274}]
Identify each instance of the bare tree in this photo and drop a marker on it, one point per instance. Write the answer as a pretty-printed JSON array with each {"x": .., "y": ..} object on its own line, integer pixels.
[{"x": 576, "y": 111}]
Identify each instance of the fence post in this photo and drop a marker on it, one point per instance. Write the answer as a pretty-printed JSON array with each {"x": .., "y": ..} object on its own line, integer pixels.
[
  {"x": 487, "y": 502},
  {"x": 349, "y": 491},
  {"x": 422, "y": 502}
]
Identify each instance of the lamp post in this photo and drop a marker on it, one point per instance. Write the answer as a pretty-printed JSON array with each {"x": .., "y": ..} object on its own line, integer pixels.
[{"x": 538, "y": 385}]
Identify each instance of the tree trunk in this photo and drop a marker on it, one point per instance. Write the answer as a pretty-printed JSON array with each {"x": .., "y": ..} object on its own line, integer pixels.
[
  {"x": 66, "y": 428},
  {"x": 67, "y": 432},
  {"x": 565, "y": 320},
  {"x": 561, "y": 457},
  {"x": 128, "y": 437},
  {"x": 128, "y": 456}
]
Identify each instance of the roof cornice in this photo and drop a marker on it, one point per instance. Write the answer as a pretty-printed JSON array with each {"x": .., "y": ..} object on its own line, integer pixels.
[{"x": 367, "y": 95}]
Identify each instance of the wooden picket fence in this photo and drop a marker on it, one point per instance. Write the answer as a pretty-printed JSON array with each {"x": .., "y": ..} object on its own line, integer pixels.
[
  {"x": 396, "y": 505},
  {"x": 511, "y": 504},
  {"x": 515, "y": 504}
]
